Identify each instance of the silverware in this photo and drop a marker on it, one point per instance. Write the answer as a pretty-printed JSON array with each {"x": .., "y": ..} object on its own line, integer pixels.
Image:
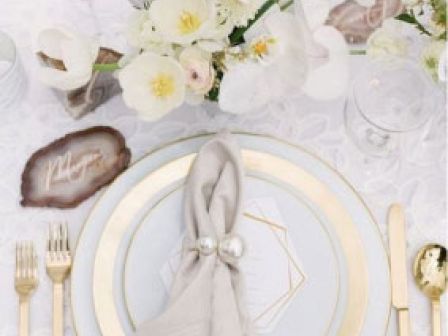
[
  {"x": 397, "y": 245},
  {"x": 430, "y": 273},
  {"x": 58, "y": 263},
  {"x": 25, "y": 281}
]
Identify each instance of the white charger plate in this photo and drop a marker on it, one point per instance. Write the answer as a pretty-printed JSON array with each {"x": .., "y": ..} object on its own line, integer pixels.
[{"x": 377, "y": 306}]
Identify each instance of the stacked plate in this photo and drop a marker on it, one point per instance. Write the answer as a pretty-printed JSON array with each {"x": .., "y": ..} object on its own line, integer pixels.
[{"x": 133, "y": 229}]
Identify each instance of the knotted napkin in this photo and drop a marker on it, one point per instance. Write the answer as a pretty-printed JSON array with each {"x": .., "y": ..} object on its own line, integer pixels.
[{"x": 207, "y": 297}]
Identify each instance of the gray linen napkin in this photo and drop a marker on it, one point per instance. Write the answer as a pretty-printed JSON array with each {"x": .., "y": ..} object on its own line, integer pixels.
[{"x": 207, "y": 297}]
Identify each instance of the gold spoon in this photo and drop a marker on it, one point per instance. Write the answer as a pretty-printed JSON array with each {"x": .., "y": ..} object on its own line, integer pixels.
[{"x": 430, "y": 273}]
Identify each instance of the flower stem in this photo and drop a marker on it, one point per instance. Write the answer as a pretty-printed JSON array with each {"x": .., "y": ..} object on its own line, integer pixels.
[
  {"x": 105, "y": 67},
  {"x": 237, "y": 34},
  {"x": 286, "y": 5},
  {"x": 358, "y": 52}
]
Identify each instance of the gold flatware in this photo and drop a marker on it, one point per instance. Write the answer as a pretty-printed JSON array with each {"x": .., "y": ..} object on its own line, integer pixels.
[
  {"x": 59, "y": 262},
  {"x": 397, "y": 244},
  {"x": 25, "y": 281},
  {"x": 430, "y": 273}
]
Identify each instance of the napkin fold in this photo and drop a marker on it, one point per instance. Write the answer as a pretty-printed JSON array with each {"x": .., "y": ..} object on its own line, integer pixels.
[{"x": 207, "y": 297}]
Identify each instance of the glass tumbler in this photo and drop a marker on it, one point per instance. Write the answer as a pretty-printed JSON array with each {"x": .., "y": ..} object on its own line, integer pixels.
[
  {"x": 387, "y": 100},
  {"x": 12, "y": 76}
]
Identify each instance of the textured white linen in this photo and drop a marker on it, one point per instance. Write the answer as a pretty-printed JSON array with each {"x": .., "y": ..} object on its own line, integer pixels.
[{"x": 207, "y": 297}]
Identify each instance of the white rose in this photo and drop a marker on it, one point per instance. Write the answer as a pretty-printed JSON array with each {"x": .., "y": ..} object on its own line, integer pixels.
[
  {"x": 141, "y": 33},
  {"x": 182, "y": 22},
  {"x": 200, "y": 74},
  {"x": 431, "y": 58},
  {"x": 387, "y": 41},
  {"x": 153, "y": 85},
  {"x": 76, "y": 51}
]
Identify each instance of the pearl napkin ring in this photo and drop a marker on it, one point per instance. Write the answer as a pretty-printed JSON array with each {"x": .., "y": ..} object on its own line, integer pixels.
[{"x": 230, "y": 248}]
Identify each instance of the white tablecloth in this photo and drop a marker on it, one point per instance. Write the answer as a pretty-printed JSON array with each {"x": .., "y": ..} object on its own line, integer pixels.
[{"x": 417, "y": 179}]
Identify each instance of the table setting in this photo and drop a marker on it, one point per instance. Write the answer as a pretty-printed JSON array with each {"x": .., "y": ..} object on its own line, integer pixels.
[{"x": 223, "y": 167}]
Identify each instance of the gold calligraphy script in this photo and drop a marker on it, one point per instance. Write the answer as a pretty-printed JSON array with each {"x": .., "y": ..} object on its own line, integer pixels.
[{"x": 69, "y": 168}]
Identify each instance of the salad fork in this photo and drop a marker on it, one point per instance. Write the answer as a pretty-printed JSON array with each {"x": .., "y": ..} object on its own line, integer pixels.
[
  {"x": 59, "y": 262},
  {"x": 25, "y": 281}
]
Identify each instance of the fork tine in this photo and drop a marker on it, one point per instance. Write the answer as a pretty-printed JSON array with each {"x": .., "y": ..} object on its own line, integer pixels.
[
  {"x": 49, "y": 248},
  {"x": 54, "y": 237},
  {"x": 65, "y": 237},
  {"x": 61, "y": 238},
  {"x": 28, "y": 259},
  {"x": 18, "y": 260},
  {"x": 34, "y": 264}
]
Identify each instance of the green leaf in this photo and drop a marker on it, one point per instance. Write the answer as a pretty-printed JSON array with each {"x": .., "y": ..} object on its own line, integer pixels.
[
  {"x": 237, "y": 36},
  {"x": 406, "y": 18},
  {"x": 410, "y": 18}
]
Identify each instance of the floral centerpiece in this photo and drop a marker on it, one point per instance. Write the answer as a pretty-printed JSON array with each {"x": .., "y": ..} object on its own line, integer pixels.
[
  {"x": 395, "y": 37},
  {"x": 241, "y": 54}
]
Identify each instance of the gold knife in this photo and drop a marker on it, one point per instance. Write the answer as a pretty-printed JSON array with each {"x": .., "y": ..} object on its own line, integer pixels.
[{"x": 397, "y": 245}]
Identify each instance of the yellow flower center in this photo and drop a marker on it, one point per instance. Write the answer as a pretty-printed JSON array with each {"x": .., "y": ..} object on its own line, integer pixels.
[
  {"x": 261, "y": 47},
  {"x": 188, "y": 23},
  {"x": 162, "y": 86}
]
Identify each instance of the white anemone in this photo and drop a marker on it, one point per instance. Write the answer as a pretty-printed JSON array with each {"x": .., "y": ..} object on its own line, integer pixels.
[
  {"x": 76, "y": 51},
  {"x": 153, "y": 85},
  {"x": 182, "y": 21}
]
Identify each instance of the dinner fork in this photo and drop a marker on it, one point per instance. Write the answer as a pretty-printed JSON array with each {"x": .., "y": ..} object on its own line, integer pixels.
[
  {"x": 59, "y": 262},
  {"x": 25, "y": 281}
]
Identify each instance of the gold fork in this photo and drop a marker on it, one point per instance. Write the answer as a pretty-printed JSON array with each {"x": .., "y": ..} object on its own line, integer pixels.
[
  {"x": 26, "y": 281},
  {"x": 58, "y": 262}
]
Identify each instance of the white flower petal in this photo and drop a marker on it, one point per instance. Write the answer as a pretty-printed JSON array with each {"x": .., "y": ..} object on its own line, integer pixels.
[
  {"x": 315, "y": 11},
  {"x": 49, "y": 41},
  {"x": 136, "y": 79},
  {"x": 183, "y": 21},
  {"x": 62, "y": 80},
  {"x": 243, "y": 89},
  {"x": 78, "y": 52},
  {"x": 330, "y": 80}
]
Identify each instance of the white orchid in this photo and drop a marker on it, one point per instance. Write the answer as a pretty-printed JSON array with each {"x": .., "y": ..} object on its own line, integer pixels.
[
  {"x": 388, "y": 40},
  {"x": 293, "y": 55},
  {"x": 153, "y": 85},
  {"x": 200, "y": 74},
  {"x": 248, "y": 85},
  {"x": 184, "y": 21},
  {"x": 327, "y": 52},
  {"x": 78, "y": 53}
]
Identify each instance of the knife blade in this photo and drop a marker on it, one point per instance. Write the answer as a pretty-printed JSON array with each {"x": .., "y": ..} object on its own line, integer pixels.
[{"x": 397, "y": 245}]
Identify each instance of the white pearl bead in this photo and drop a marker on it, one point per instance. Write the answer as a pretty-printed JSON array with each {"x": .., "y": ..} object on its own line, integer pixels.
[
  {"x": 206, "y": 245},
  {"x": 231, "y": 248}
]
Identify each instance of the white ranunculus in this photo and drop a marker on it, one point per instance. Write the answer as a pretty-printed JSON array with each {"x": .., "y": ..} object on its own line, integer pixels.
[
  {"x": 199, "y": 72},
  {"x": 153, "y": 85},
  {"x": 184, "y": 21},
  {"x": 431, "y": 58},
  {"x": 388, "y": 40},
  {"x": 141, "y": 33},
  {"x": 78, "y": 53}
]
